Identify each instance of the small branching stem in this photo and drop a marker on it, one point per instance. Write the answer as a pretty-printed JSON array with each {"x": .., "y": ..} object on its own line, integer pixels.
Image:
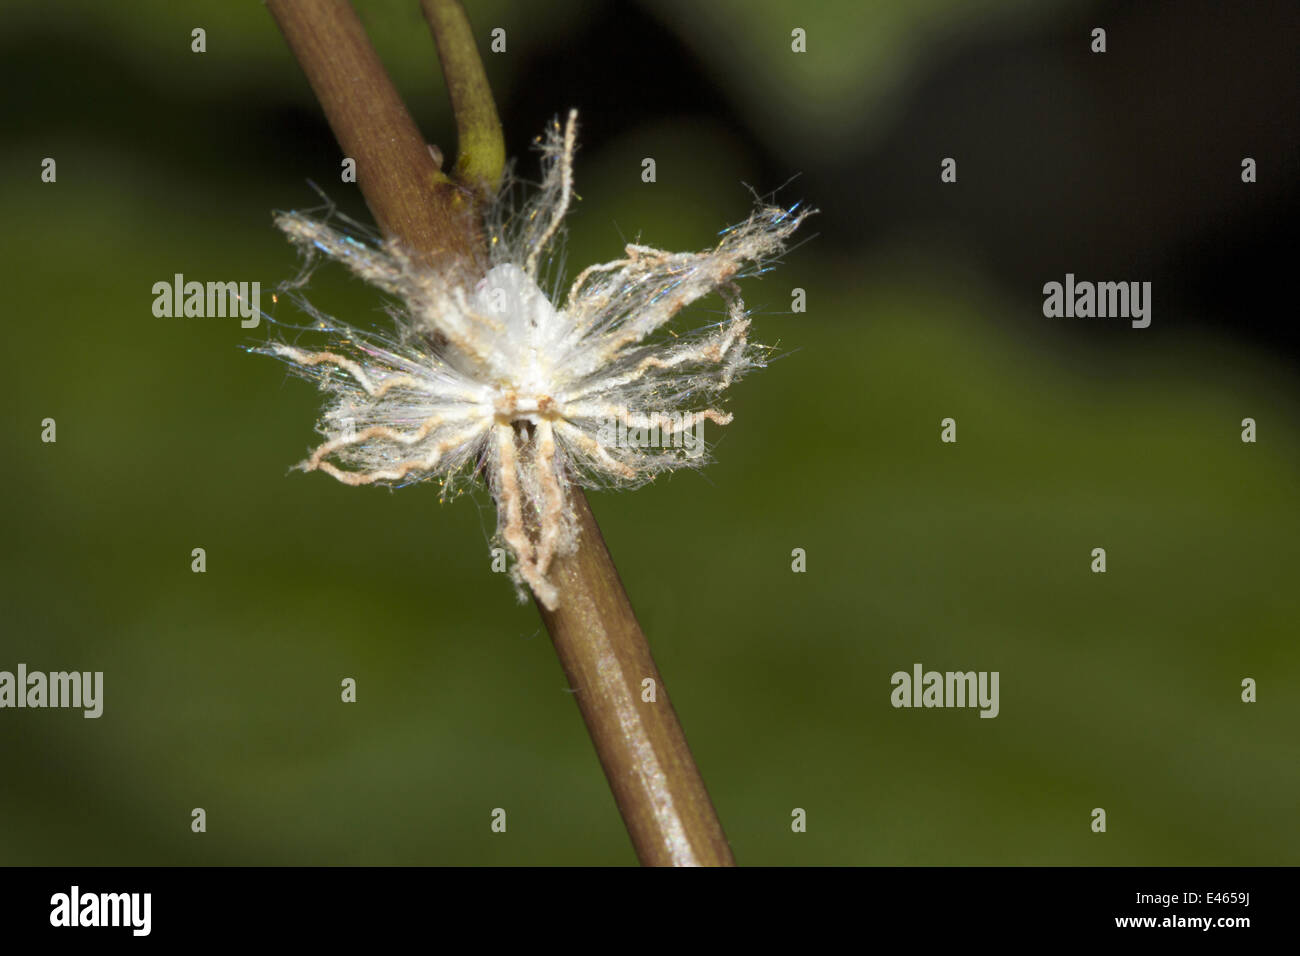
[{"x": 480, "y": 146}]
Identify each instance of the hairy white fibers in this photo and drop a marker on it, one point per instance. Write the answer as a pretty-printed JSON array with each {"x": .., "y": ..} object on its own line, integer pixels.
[{"x": 487, "y": 375}]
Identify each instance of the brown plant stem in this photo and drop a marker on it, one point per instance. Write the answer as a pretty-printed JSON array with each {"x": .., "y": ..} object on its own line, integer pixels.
[
  {"x": 409, "y": 196},
  {"x": 601, "y": 646},
  {"x": 641, "y": 744}
]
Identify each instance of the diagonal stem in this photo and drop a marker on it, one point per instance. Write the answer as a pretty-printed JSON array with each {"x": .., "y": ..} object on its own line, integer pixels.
[
  {"x": 641, "y": 744},
  {"x": 409, "y": 196},
  {"x": 601, "y": 646}
]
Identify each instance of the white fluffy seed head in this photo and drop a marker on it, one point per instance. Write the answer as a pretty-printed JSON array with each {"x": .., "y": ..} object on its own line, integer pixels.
[{"x": 490, "y": 376}]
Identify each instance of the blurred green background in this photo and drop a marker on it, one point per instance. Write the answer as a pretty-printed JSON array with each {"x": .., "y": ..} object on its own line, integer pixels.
[{"x": 1119, "y": 690}]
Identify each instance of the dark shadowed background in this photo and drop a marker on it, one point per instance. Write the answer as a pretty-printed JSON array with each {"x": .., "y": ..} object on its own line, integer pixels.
[{"x": 1118, "y": 690}]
